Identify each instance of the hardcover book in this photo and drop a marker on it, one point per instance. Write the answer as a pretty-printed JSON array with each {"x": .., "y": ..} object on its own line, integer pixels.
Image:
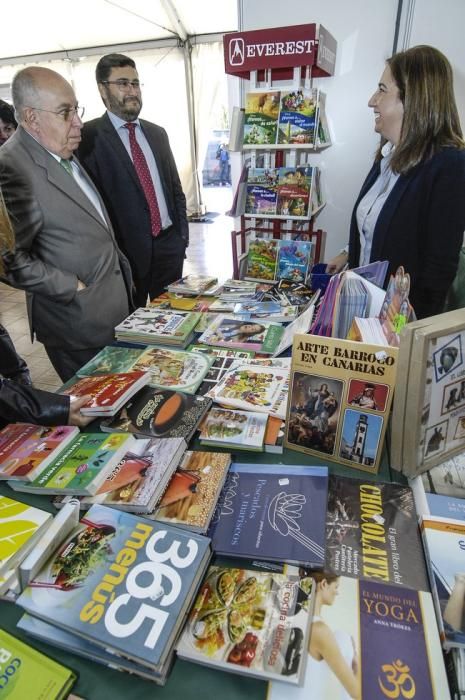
[
  {"x": 443, "y": 539},
  {"x": 236, "y": 429},
  {"x": 294, "y": 260},
  {"x": 27, "y": 673},
  {"x": 25, "y": 449},
  {"x": 372, "y": 533},
  {"x": 385, "y": 641},
  {"x": 152, "y": 325},
  {"x": 254, "y": 388},
  {"x": 82, "y": 467},
  {"x": 20, "y": 526},
  {"x": 272, "y": 513},
  {"x": 138, "y": 481},
  {"x": 192, "y": 493},
  {"x": 160, "y": 413},
  {"x": 250, "y": 622},
  {"x": 104, "y": 583},
  {"x": 108, "y": 392},
  {"x": 263, "y": 337},
  {"x": 339, "y": 399}
]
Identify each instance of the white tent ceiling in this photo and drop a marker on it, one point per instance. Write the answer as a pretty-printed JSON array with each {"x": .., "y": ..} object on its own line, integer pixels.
[{"x": 30, "y": 27}]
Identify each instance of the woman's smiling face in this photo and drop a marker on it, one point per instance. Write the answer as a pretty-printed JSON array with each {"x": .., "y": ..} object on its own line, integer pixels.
[{"x": 388, "y": 108}]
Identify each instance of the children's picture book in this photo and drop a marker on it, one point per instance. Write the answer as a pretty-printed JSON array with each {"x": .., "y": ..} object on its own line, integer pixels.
[
  {"x": 262, "y": 257},
  {"x": 263, "y": 336},
  {"x": 294, "y": 192},
  {"x": 272, "y": 513},
  {"x": 111, "y": 359},
  {"x": 294, "y": 260},
  {"x": 27, "y": 673},
  {"x": 20, "y": 526},
  {"x": 101, "y": 583},
  {"x": 384, "y": 638},
  {"x": 152, "y": 325},
  {"x": 261, "y": 117},
  {"x": 26, "y": 449},
  {"x": 82, "y": 467},
  {"x": 138, "y": 481},
  {"x": 339, "y": 399},
  {"x": 285, "y": 192},
  {"x": 254, "y": 388},
  {"x": 107, "y": 392},
  {"x": 178, "y": 370},
  {"x": 160, "y": 413},
  {"x": 443, "y": 539},
  {"x": 298, "y": 116},
  {"x": 224, "y": 427},
  {"x": 250, "y": 622},
  {"x": 190, "y": 497},
  {"x": 372, "y": 533}
]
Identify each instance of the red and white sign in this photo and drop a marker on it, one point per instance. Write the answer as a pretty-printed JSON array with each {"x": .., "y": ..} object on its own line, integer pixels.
[{"x": 279, "y": 49}]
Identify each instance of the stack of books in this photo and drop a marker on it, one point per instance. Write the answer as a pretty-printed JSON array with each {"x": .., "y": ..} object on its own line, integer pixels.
[
  {"x": 152, "y": 325},
  {"x": 193, "y": 285},
  {"x": 243, "y": 430},
  {"x": 107, "y": 392},
  {"x": 114, "y": 547}
]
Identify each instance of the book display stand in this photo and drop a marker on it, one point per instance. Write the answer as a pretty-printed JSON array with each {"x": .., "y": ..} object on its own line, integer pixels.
[{"x": 279, "y": 192}]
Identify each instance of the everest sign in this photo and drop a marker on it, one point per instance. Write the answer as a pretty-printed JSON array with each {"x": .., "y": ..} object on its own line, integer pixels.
[{"x": 280, "y": 49}]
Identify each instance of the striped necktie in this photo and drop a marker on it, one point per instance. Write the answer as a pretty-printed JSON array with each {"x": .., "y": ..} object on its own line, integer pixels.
[{"x": 145, "y": 179}]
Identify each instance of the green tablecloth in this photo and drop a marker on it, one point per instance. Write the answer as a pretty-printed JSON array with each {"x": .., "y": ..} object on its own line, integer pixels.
[{"x": 187, "y": 681}]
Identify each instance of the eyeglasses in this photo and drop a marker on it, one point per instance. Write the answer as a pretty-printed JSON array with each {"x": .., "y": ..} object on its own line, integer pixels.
[
  {"x": 123, "y": 84},
  {"x": 66, "y": 114}
]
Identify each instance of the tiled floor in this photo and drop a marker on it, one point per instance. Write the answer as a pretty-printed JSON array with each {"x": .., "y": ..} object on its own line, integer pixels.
[{"x": 209, "y": 252}]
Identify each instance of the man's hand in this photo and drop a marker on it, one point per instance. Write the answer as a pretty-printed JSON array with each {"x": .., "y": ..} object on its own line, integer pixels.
[
  {"x": 80, "y": 285},
  {"x": 75, "y": 416}
]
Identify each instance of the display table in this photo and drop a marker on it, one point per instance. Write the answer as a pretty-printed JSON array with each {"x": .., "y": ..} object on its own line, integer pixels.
[{"x": 187, "y": 681}]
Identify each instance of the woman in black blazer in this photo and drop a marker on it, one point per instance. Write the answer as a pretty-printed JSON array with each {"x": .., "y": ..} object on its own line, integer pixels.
[{"x": 411, "y": 208}]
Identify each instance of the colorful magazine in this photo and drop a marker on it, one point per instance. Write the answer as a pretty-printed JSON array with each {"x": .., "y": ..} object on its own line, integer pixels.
[
  {"x": 263, "y": 337},
  {"x": 25, "y": 449},
  {"x": 371, "y": 533},
  {"x": 385, "y": 641},
  {"x": 250, "y": 622},
  {"x": 242, "y": 430},
  {"x": 27, "y": 673},
  {"x": 21, "y": 526},
  {"x": 100, "y": 583},
  {"x": 272, "y": 513},
  {"x": 191, "y": 495},
  {"x": 82, "y": 467}
]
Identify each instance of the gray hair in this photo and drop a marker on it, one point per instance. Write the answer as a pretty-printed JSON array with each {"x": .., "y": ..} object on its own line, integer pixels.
[{"x": 24, "y": 91}]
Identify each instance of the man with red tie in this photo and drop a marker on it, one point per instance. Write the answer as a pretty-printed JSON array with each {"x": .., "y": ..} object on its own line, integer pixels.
[{"x": 131, "y": 163}]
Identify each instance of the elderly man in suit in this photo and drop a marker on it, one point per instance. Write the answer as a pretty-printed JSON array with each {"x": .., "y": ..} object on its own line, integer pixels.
[
  {"x": 65, "y": 257},
  {"x": 131, "y": 163}
]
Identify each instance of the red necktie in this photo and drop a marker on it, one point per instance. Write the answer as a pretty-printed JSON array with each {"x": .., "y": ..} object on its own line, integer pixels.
[{"x": 143, "y": 173}]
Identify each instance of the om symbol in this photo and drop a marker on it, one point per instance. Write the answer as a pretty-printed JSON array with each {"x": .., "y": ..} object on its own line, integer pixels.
[{"x": 400, "y": 681}]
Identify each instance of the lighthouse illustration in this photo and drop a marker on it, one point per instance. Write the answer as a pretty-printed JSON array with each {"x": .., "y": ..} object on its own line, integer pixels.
[{"x": 358, "y": 447}]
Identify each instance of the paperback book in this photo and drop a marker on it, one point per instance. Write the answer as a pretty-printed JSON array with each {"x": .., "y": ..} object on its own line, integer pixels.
[
  {"x": 268, "y": 310},
  {"x": 82, "y": 467},
  {"x": 263, "y": 337},
  {"x": 21, "y": 526},
  {"x": 242, "y": 430},
  {"x": 261, "y": 118},
  {"x": 26, "y": 449},
  {"x": 372, "y": 533},
  {"x": 431, "y": 503},
  {"x": 339, "y": 400},
  {"x": 107, "y": 392},
  {"x": 298, "y": 116},
  {"x": 152, "y": 325},
  {"x": 138, "y": 481},
  {"x": 190, "y": 498},
  {"x": 27, "y": 673},
  {"x": 160, "y": 413},
  {"x": 272, "y": 513},
  {"x": 222, "y": 359},
  {"x": 111, "y": 360},
  {"x": 262, "y": 258},
  {"x": 285, "y": 193},
  {"x": 385, "y": 641},
  {"x": 254, "y": 388},
  {"x": 192, "y": 284},
  {"x": 250, "y": 622},
  {"x": 106, "y": 553}
]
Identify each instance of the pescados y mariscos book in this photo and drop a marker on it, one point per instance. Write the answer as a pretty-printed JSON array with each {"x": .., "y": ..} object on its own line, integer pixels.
[
  {"x": 27, "y": 673},
  {"x": 106, "y": 584},
  {"x": 263, "y": 337},
  {"x": 444, "y": 541},
  {"x": 339, "y": 399},
  {"x": 250, "y": 622},
  {"x": 272, "y": 512},
  {"x": 385, "y": 641},
  {"x": 82, "y": 467},
  {"x": 372, "y": 533},
  {"x": 26, "y": 449}
]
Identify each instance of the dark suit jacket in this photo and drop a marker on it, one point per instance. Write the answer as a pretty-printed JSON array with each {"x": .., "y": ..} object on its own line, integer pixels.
[
  {"x": 421, "y": 227},
  {"x": 108, "y": 163},
  {"x": 25, "y": 404},
  {"x": 60, "y": 238}
]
